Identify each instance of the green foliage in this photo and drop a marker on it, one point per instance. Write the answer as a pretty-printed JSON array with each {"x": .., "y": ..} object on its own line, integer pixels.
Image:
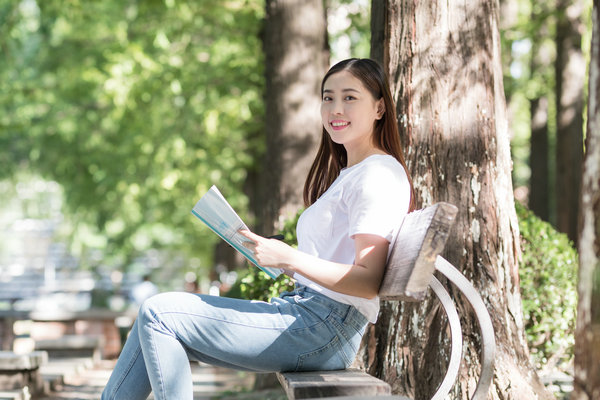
[
  {"x": 349, "y": 28},
  {"x": 528, "y": 53},
  {"x": 289, "y": 229},
  {"x": 135, "y": 109},
  {"x": 548, "y": 273},
  {"x": 255, "y": 284}
]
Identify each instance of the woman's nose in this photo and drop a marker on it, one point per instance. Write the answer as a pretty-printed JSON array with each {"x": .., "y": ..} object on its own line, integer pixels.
[{"x": 337, "y": 107}]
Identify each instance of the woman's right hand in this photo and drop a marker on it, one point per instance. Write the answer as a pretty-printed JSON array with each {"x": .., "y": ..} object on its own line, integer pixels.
[{"x": 269, "y": 252}]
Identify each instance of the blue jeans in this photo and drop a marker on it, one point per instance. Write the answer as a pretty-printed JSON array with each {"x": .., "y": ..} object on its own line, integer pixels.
[{"x": 299, "y": 331}]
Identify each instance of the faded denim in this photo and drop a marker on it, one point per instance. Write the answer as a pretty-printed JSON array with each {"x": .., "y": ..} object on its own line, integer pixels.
[{"x": 299, "y": 331}]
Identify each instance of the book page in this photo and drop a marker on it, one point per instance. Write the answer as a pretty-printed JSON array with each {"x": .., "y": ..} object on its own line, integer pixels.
[{"x": 214, "y": 210}]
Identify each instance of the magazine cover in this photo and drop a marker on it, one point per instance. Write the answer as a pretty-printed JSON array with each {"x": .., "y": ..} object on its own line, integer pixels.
[{"x": 214, "y": 210}]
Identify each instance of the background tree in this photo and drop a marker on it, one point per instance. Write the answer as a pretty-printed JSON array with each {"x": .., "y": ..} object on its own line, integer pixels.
[
  {"x": 587, "y": 335},
  {"x": 296, "y": 58},
  {"x": 544, "y": 47},
  {"x": 444, "y": 63},
  {"x": 539, "y": 150},
  {"x": 570, "y": 67}
]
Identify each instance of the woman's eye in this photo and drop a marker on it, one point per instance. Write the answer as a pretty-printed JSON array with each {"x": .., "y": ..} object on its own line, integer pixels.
[
  {"x": 326, "y": 98},
  {"x": 349, "y": 98}
]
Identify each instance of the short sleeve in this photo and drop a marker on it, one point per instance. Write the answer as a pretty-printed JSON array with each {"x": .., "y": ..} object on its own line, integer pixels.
[{"x": 379, "y": 200}]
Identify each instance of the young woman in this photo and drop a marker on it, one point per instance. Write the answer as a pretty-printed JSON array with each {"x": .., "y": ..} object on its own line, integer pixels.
[{"x": 357, "y": 193}]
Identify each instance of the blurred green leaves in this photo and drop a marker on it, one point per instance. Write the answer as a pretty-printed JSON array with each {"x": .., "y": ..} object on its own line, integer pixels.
[
  {"x": 135, "y": 109},
  {"x": 548, "y": 273},
  {"x": 254, "y": 284}
]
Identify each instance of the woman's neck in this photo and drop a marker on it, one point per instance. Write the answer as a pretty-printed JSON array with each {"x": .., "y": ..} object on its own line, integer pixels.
[{"x": 358, "y": 156}]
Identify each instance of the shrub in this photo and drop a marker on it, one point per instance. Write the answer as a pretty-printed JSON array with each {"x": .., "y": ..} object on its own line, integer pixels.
[
  {"x": 548, "y": 273},
  {"x": 254, "y": 284}
]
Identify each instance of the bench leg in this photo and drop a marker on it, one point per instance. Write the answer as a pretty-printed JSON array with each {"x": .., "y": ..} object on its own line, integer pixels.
[
  {"x": 488, "y": 341},
  {"x": 457, "y": 340}
]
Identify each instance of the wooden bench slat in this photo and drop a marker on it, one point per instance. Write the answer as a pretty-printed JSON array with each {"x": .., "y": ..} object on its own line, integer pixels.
[
  {"x": 12, "y": 361},
  {"x": 349, "y": 382},
  {"x": 72, "y": 346},
  {"x": 20, "y": 373}
]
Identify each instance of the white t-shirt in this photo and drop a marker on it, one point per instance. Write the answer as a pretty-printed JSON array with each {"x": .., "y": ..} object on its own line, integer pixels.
[{"x": 371, "y": 197}]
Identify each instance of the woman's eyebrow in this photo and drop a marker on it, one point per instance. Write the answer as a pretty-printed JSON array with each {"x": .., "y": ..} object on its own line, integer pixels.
[{"x": 343, "y": 90}]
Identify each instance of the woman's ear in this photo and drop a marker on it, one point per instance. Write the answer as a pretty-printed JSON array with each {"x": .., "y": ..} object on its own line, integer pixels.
[{"x": 380, "y": 108}]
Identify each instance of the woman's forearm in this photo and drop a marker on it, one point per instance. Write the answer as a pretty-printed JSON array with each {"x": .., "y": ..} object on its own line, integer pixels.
[
  {"x": 355, "y": 280},
  {"x": 360, "y": 279}
]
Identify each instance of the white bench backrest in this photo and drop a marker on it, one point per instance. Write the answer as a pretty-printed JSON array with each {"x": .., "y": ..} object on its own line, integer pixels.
[{"x": 419, "y": 241}]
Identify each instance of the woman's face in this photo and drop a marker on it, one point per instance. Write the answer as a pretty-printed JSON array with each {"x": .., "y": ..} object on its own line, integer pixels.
[{"x": 349, "y": 111}]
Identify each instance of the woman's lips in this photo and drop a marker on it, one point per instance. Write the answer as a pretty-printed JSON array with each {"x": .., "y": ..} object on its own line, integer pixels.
[{"x": 339, "y": 124}]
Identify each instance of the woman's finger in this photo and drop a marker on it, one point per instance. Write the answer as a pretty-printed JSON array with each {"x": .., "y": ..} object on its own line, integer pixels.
[
  {"x": 248, "y": 244},
  {"x": 251, "y": 243},
  {"x": 250, "y": 235}
]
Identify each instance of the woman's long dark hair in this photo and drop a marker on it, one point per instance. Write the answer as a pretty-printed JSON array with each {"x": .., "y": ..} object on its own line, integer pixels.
[{"x": 332, "y": 157}]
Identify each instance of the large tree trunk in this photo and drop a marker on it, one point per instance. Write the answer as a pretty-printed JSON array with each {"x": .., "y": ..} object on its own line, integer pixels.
[
  {"x": 443, "y": 60},
  {"x": 296, "y": 57},
  {"x": 296, "y": 51},
  {"x": 569, "y": 70},
  {"x": 587, "y": 334}
]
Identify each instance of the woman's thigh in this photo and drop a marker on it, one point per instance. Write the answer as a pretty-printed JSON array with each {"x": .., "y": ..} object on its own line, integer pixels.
[{"x": 250, "y": 335}]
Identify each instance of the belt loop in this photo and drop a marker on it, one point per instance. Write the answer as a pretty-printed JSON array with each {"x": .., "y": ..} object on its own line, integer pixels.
[{"x": 349, "y": 309}]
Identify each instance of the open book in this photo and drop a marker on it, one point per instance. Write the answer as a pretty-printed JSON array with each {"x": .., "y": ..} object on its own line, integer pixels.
[{"x": 219, "y": 216}]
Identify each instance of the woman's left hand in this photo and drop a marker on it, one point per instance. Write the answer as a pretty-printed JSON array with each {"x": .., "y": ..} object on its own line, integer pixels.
[{"x": 268, "y": 252}]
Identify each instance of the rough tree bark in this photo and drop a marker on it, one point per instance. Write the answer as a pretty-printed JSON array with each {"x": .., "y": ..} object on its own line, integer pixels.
[
  {"x": 443, "y": 60},
  {"x": 587, "y": 333},
  {"x": 296, "y": 51},
  {"x": 569, "y": 70}
]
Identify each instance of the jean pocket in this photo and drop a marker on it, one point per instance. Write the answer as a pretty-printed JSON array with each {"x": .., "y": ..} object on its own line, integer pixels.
[{"x": 329, "y": 357}]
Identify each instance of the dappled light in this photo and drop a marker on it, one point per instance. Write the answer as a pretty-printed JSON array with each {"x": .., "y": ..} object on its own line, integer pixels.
[{"x": 116, "y": 117}]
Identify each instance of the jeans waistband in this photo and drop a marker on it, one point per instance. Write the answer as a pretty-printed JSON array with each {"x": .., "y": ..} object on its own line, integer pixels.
[{"x": 347, "y": 312}]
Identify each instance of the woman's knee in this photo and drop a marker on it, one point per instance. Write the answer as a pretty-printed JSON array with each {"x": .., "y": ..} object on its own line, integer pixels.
[
  {"x": 160, "y": 303},
  {"x": 152, "y": 307}
]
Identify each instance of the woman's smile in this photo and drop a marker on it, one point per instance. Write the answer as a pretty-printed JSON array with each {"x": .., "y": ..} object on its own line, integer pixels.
[{"x": 339, "y": 124}]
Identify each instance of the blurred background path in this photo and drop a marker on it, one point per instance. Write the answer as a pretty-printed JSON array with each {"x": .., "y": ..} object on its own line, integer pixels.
[{"x": 87, "y": 381}]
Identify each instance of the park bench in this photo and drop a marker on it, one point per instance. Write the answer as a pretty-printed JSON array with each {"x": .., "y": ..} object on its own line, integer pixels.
[
  {"x": 68, "y": 346},
  {"x": 414, "y": 258},
  {"x": 20, "y": 374},
  {"x": 93, "y": 331}
]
